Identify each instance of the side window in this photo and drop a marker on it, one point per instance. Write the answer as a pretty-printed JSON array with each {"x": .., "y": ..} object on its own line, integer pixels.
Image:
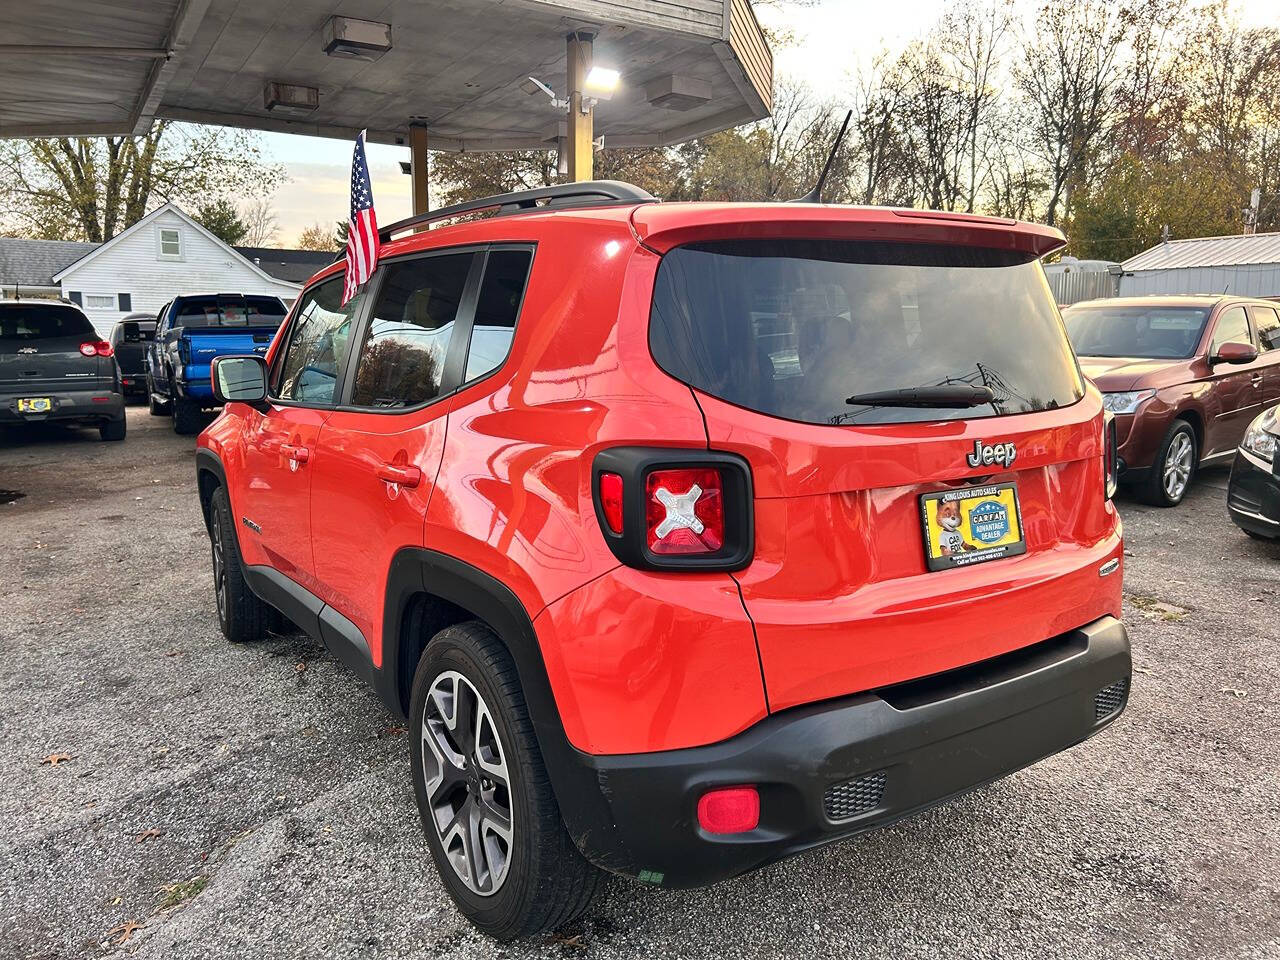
[
  {"x": 317, "y": 346},
  {"x": 501, "y": 292},
  {"x": 401, "y": 362},
  {"x": 1267, "y": 322},
  {"x": 1233, "y": 327}
]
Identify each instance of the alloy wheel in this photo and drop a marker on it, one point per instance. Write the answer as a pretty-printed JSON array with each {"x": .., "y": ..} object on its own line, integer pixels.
[
  {"x": 468, "y": 785},
  {"x": 1177, "y": 466}
]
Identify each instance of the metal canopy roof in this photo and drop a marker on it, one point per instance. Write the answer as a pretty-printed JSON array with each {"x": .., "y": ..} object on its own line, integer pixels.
[
  {"x": 455, "y": 65},
  {"x": 1208, "y": 252}
]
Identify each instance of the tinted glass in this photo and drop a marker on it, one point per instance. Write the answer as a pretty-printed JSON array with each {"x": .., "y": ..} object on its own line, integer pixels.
[
  {"x": 42, "y": 322},
  {"x": 1233, "y": 327},
  {"x": 402, "y": 359},
  {"x": 1267, "y": 323},
  {"x": 792, "y": 328},
  {"x": 317, "y": 347},
  {"x": 1114, "y": 330},
  {"x": 227, "y": 311},
  {"x": 501, "y": 292}
]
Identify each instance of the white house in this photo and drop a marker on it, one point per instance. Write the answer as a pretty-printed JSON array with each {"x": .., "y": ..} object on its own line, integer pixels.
[{"x": 164, "y": 254}]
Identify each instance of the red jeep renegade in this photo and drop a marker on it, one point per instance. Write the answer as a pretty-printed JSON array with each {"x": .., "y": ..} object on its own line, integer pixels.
[{"x": 686, "y": 536}]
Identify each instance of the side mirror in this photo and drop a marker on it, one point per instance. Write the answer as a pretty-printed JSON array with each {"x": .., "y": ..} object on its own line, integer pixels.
[
  {"x": 240, "y": 380},
  {"x": 1234, "y": 352},
  {"x": 132, "y": 332}
]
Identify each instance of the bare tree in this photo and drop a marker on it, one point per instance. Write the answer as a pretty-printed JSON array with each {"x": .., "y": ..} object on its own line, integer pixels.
[
  {"x": 260, "y": 218},
  {"x": 1068, "y": 76}
]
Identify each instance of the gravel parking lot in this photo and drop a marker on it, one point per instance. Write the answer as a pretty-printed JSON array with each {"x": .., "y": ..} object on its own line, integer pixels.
[{"x": 256, "y": 801}]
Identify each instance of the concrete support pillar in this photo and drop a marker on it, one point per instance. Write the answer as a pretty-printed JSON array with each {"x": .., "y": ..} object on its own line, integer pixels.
[
  {"x": 418, "y": 167},
  {"x": 581, "y": 123}
]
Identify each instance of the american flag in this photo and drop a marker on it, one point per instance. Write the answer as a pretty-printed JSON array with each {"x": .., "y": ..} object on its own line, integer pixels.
[{"x": 362, "y": 227}]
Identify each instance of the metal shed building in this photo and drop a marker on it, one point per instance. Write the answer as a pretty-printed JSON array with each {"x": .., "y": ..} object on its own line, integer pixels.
[{"x": 1247, "y": 265}]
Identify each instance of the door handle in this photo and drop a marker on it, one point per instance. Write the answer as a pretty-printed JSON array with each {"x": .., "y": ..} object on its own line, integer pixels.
[
  {"x": 295, "y": 453},
  {"x": 404, "y": 476}
]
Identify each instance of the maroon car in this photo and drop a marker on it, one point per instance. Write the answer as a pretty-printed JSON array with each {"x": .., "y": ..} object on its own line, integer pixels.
[{"x": 1184, "y": 377}]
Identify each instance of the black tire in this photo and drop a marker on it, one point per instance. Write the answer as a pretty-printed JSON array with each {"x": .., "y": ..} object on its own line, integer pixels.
[
  {"x": 546, "y": 882},
  {"x": 186, "y": 416},
  {"x": 241, "y": 615},
  {"x": 112, "y": 429},
  {"x": 1179, "y": 442}
]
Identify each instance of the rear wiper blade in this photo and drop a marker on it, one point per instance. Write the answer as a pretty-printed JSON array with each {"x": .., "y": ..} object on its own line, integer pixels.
[{"x": 955, "y": 395}]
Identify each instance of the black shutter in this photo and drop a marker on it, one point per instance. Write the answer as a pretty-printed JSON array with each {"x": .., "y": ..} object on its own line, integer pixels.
[
  {"x": 126, "y": 302},
  {"x": 75, "y": 298}
]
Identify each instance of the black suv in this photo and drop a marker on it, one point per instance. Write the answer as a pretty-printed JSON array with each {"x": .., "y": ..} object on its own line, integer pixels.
[{"x": 54, "y": 366}]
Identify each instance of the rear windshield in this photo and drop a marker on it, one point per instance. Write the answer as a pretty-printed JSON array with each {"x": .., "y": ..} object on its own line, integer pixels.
[
  {"x": 792, "y": 328},
  {"x": 1132, "y": 331},
  {"x": 230, "y": 312},
  {"x": 42, "y": 322}
]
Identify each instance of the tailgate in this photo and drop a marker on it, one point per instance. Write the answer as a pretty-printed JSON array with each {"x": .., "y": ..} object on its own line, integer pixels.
[{"x": 203, "y": 344}]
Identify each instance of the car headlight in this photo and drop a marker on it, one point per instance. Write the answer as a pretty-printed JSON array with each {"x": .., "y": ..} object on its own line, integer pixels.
[
  {"x": 1260, "y": 439},
  {"x": 1125, "y": 402}
]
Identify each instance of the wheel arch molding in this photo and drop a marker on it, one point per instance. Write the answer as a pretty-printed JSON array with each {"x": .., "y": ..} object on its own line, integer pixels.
[{"x": 417, "y": 574}]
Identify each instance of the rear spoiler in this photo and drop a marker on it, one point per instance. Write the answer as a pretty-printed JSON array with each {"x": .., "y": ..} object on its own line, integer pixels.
[{"x": 660, "y": 227}]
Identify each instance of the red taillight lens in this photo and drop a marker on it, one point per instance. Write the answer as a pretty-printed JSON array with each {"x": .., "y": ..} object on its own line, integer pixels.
[
  {"x": 96, "y": 348},
  {"x": 729, "y": 810},
  {"x": 611, "y": 501},
  {"x": 684, "y": 511}
]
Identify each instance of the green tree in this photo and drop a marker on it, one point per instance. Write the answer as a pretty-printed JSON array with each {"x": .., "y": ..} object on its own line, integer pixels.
[
  {"x": 91, "y": 188},
  {"x": 221, "y": 218}
]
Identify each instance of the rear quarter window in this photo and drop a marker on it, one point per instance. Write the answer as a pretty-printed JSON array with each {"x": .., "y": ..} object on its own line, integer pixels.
[{"x": 792, "y": 328}]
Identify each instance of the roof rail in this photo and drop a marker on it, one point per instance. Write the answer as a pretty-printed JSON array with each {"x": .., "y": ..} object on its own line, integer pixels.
[{"x": 589, "y": 193}]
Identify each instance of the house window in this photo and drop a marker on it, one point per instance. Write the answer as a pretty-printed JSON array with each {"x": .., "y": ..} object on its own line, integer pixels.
[
  {"x": 100, "y": 301},
  {"x": 170, "y": 243}
]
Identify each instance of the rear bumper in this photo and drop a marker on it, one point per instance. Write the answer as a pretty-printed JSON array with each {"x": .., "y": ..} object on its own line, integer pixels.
[
  {"x": 95, "y": 405},
  {"x": 1253, "y": 496},
  {"x": 836, "y": 769}
]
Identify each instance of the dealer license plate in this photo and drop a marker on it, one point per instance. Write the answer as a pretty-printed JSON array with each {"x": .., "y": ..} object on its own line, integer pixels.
[
  {"x": 35, "y": 405},
  {"x": 972, "y": 525}
]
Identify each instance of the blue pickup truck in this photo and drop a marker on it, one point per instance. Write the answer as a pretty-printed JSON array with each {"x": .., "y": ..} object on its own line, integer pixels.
[{"x": 190, "y": 331}]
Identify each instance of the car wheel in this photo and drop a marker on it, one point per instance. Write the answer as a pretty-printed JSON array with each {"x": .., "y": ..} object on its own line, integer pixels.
[
  {"x": 487, "y": 808},
  {"x": 241, "y": 615},
  {"x": 1174, "y": 467},
  {"x": 112, "y": 429},
  {"x": 186, "y": 416}
]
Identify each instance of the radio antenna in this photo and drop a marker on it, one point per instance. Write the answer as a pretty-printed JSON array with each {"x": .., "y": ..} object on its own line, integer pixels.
[{"x": 815, "y": 195}]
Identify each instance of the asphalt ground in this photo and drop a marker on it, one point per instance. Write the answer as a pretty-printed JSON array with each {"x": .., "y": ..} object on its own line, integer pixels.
[{"x": 256, "y": 802}]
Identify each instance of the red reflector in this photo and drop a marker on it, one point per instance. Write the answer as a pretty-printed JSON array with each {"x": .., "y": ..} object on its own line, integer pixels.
[
  {"x": 729, "y": 810},
  {"x": 684, "y": 511},
  {"x": 101, "y": 399},
  {"x": 611, "y": 500}
]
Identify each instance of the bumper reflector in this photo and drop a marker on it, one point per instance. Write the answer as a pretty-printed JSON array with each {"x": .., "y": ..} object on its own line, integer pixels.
[{"x": 729, "y": 810}]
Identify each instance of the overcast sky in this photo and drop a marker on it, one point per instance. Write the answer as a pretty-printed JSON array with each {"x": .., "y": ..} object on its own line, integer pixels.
[{"x": 831, "y": 37}]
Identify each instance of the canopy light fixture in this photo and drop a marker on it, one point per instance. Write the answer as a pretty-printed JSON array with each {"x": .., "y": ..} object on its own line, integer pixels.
[
  {"x": 290, "y": 99},
  {"x": 602, "y": 82},
  {"x": 353, "y": 39},
  {"x": 678, "y": 93}
]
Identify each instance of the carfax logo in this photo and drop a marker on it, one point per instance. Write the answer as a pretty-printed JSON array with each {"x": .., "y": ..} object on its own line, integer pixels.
[
  {"x": 989, "y": 521},
  {"x": 984, "y": 455}
]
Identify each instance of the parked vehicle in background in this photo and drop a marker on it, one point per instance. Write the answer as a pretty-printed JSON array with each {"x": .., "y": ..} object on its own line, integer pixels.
[
  {"x": 190, "y": 331},
  {"x": 687, "y": 536},
  {"x": 1253, "y": 493},
  {"x": 54, "y": 367},
  {"x": 1184, "y": 376},
  {"x": 129, "y": 339}
]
